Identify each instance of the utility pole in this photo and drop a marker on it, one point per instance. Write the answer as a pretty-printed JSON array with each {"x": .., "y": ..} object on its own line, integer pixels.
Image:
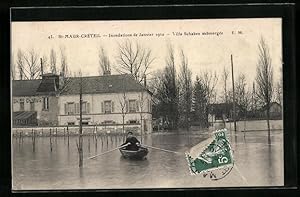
[
  {"x": 80, "y": 126},
  {"x": 233, "y": 93},
  {"x": 42, "y": 70}
]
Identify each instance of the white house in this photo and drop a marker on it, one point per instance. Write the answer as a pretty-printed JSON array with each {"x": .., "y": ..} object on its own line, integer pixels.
[
  {"x": 109, "y": 100},
  {"x": 106, "y": 100}
]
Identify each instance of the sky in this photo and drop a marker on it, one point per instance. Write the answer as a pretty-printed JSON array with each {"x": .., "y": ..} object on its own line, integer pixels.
[{"x": 205, "y": 52}]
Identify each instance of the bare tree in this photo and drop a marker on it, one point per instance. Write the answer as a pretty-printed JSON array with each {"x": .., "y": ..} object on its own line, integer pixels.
[
  {"x": 141, "y": 110},
  {"x": 135, "y": 59},
  {"x": 200, "y": 102},
  {"x": 278, "y": 90},
  {"x": 124, "y": 108},
  {"x": 12, "y": 67},
  {"x": 209, "y": 81},
  {"x": 53, "y": 61},
  {"x": 225, "y": 75},
  {"x": 155, "y": 86},
  {"x": 21, "y": 64},
  {"x": 169, "y": 91},
  {"x": 31, "y": 69},
  {"x": 264, "y": 79},
  {"x": 185, "y": 90},
  {"x": 242, "y": 96},
  {"x": 79, "y": 144},
  {"x": 254, "y": 100},
  {"x": 45, "y": 64},
  {"x": 104, "y": 63},
  {"x": 64, "y": 63}
]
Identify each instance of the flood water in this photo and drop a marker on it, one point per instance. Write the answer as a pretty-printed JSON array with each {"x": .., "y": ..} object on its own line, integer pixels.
[{"x": 46, "y": 164}]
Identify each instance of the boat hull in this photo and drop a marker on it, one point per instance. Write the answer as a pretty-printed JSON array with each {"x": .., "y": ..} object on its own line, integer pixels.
[{"x": 130, "y": 154}]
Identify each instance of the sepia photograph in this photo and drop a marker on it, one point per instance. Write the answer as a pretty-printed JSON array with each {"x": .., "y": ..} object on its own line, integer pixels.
[{"x": 143, "y": 104}]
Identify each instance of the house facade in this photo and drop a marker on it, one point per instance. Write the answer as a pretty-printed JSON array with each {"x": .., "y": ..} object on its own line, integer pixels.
[
  {"x": 35, "y": 98},
  {"x": 109, "y": 100}
]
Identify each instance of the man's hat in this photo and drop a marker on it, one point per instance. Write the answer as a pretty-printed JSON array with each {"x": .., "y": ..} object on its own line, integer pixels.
[{"x": 129, "y": 133}]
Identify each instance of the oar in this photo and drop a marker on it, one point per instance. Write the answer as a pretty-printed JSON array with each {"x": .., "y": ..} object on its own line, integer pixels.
[
  {"x": 107, "y": 152},
  {"x": 169, "y": 151}
]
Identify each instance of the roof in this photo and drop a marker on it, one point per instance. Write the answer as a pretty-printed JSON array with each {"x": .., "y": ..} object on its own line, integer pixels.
[
  {"x": 91, "y": 85},
  {"x": 25, "y": 87},
  {"x": 47, "y": 85},
  {"x": 102, "y": 84},
  {"x": 23, "y": 115}
]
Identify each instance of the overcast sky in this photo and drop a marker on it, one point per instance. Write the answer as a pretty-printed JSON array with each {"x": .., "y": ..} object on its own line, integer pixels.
[{"x": 204, "y": 52}]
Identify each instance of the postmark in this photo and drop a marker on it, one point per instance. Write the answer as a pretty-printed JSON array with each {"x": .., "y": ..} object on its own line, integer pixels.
[{"x": 214, "y": 161}]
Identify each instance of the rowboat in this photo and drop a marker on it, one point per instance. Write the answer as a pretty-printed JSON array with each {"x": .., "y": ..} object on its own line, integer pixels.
[{"x": 134, "y": 154}]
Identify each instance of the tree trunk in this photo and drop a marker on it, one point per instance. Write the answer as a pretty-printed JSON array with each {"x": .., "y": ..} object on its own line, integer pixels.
[
  {"x": 123, "y": 128},
  {"x": 268, "y": 123},
  {"x": 141, "y": 129}
]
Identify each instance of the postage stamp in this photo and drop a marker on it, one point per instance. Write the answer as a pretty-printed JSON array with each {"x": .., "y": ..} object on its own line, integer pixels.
[{"x": 215, "y": 159}]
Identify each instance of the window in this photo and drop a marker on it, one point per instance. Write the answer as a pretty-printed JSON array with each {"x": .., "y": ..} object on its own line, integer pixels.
[
  {"x": 31, "y": 106},
  {"x": 85, "y": 107},
  {"x": 70, "y": 108},
  {"x": 45, "y": 103},
  {"x": 107, "y": 107},
  {"x": 74, "y": 108},
  {"x": 132, "y": 121},
  {"x": 22, "y": 106},
  {"x": 132, "y": 105},
  {"x": 77, "y": 108},
  {"x": 85, "y": 123}
]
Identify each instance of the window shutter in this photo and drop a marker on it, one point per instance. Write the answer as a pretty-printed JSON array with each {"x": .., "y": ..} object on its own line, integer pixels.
[
  {"x": 76, "y": 108},
  {"x": 112, "y": 106},
  {"x": 137, "y": 106},
  {"x": 47, "y": 102},
  {"x": 76, "y": 105},
  {"x": 87, "y": 108},
  {"x": 43, "y": 103},
  {"x": 66, "y": 109},
  {"x": 127, "y": 106},
  {"x": 102, "y": 107}
]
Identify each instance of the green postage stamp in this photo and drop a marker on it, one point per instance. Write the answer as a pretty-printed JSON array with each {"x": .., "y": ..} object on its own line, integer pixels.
[{"x": 214, "y": 159}]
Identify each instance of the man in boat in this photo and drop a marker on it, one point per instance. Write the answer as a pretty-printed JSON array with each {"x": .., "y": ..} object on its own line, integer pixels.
[{"x": 132, "y": 142}]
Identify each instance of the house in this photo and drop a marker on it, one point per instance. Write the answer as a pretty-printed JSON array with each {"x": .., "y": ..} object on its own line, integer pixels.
[
  {"x": 104, "y": 97},
  {"x": 111, "y": 100},
  {"x": 221, "y": 111},
  {"x": 40, "y": 97}
]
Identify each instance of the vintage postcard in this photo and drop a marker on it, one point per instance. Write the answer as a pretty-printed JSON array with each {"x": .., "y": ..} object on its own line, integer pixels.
[{"x": 140, "y": 104}]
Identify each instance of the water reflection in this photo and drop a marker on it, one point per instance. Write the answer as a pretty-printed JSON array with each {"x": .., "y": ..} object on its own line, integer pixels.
[{"x": 53, "y": 163}]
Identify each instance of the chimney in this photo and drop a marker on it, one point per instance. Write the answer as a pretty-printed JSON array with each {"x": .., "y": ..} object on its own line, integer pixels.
[{"x": 106, "y": 72}]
